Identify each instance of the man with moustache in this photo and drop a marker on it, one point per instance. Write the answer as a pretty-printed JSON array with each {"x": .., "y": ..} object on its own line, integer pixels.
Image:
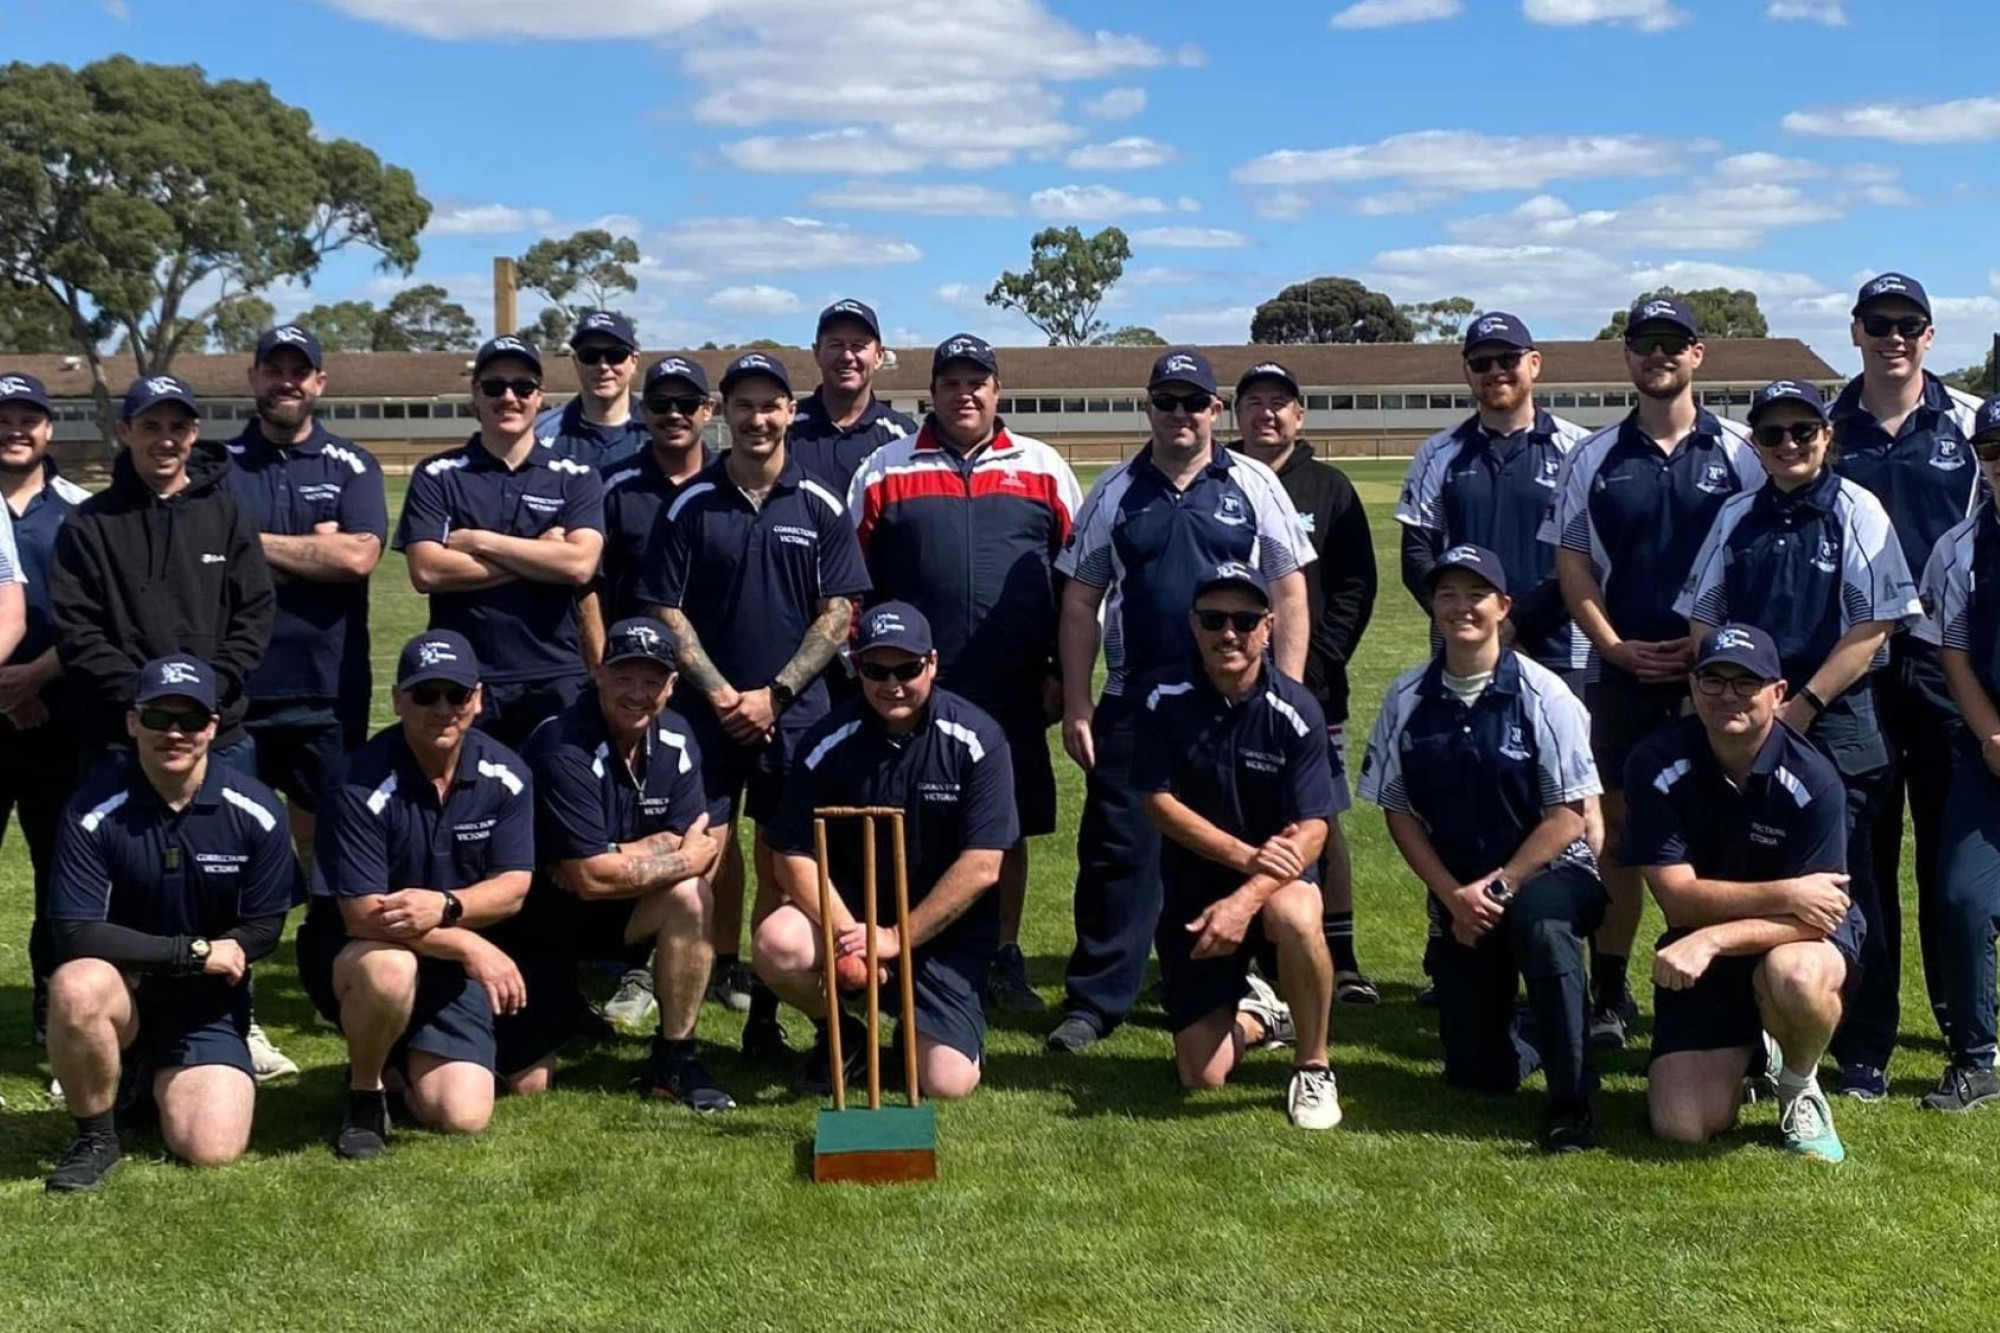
[
  {"x": 601, "y": 426},
  {"x": 842, "y": 421}
]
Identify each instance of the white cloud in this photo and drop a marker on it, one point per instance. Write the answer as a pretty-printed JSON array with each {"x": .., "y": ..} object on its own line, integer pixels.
[
  {"x": 1830, "y": 12},
  {"x": 1190, "y": 238},
  {"x": 1159, "y": 276},
  {"x": 758, "y": 299},
  {"x": 1468, "y": 160},
  {"x": 487, "y": 220},
  {"x": 851, "y": 149},
  {"x": 1281, "y": 205},
  {"x": 1968, "y": 120},
  {"x": 1116, "y": 104},
  {"x": 1767, "y": 167},
  {"x": 1224, "y": 324},
  {"x": 1393, "y": 13},
  {"x": 923, "y": 200},
  {"x": 1090, "y": 203},
  {"x": 1132, "y": 153},
  {"x": 1394, "y": 203},
  {"x": 1709, "y": 216},
  {"x": 751, "y": 245},
  {"x": 1645, "y": 15},
  {"x": 960, "y": 296}
]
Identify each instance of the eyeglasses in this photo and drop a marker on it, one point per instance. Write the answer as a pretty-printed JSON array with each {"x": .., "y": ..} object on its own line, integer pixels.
[
  {"x": 1715, "y": 685},
  {"x": 1881, "y": 326},
  {"x": 429, "y": 693},
  {"x": 1799, "y": 432},
  {"x": 1988, "y": 451},
  {"x": 1240, "y": 621},
  {"x": 523, "y": 389},
  {"x": 186, "y": 721},
  {"x": 1479, "y": 365},
  {"x": 685, "y": 404},
  {"x": 603, "y": 356},
  {"x": 1191, "y": 403},
  {"x": 903, "y": 671},
  {"x": 1660, "y": 344}
]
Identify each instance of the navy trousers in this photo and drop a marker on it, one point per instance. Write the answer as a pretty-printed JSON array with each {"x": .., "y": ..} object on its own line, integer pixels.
[{"x": 1117, "y": 901}]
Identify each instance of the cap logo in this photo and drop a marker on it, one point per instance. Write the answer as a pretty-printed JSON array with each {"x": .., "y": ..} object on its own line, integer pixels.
[
  {"x": 1657, "y": 309},
  {"x": 11, "y": 385},
  {"x": 163, "y": 384},
  {"x": 1179, "y": 362},
  {"x": 1887, "y": 283},
  {"x": 845, "y": 308},
  {"x": 1234, "y": 569},
  {"x": 1782, "y": 387},
  {"x": 644, "y": 635},
  {"x": 1270, "y": 368},
  {"x": 888, "y": 622},
  {"x": 1461, "y": 554},
  {"x": 673, "y": 365},
  {"x": 961, "y": 347},
  {"x": 287, "y": 333},
  {"x": 179, "y": 673},
  {"x": 432, "y": 653},
  {"x": 507, "y": 344},
  {"x": 1491, "y": 324},
  {"x": 1733, "y": 638}
]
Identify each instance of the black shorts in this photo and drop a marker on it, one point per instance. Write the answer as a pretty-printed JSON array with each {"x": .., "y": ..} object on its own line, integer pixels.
[
  {"x": 1720, "y": 1011},
  {"x": 1196, "y": 988},
  {"x": 1624, "y": 712},
  {"x": 514, "y": 708},
  {"x": 299, "y": 744},
  {"x": 948, "y": 987},
  {"x": 1034, "y": 779},
  {"x": 451, "y": 1020},
  {"x": 189, "y": 1021},
  {"x": 744, "y": 780}
]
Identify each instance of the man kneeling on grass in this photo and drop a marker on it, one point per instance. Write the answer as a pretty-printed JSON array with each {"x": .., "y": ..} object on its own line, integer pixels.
[
  {"x": 172, "y": 876},
  {"x": 1233, "y": 760},
  {"x": 1740, "y": 826}
]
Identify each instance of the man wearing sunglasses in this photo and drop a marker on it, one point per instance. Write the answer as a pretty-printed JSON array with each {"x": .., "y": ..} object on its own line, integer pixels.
[
  {"x": 429, "y": 843},
  {"x": 1635, "y": 502},
  {"x": 842, "y": 422},
  {"x": 1901, "y": 433},
  {"x": 501, "y": 534},
  {"x": 1232, "y": 761},
  {"x": 1809, "y": 558},
  {"x": 965, "y": 520},
  {"x": 910, "y": 744},
  {"x": 1150, "y": 529},
  {"x": 601, "y": 426},
  {"x": 1740, "y": 828},
  {"x": 172, "y": 877},
  {"x": 754, "y": 569}
]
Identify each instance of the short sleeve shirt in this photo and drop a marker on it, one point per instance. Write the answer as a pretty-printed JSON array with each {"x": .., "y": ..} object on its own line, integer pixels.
[
  {"x": 569, "y": 434},
  {"x": 1925, "y": 475},
  {"x": 832, "y": 454},
  {"x": 636, "y": 493},
  {"x": 34, "y": 533},
  {"x": 1961, "y": 596},
  {"x": 587, "y": 800}
]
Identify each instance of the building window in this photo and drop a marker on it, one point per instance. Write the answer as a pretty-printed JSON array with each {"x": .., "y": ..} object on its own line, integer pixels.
[
  {"x": 1739, "y": 398},
  {"x": 1072, "y": 404},
  {"x": 420, "y": 411},
  {"x": 1440, "y": 402},
  {"x": 1048, "y": 404},
  {"x": 1462, "y": 401},
  {"x": 464, "y": 410},
  {"x": 1005, "y": 406},
  {"x": 345, "y": 411},
  {"x": 1366, "y": 402},
  {"x": 1316, "y": 402},
  {"x": 394, "y": 411},
  {"x": 1340, "y": 402},
  {"x": 1392, "y": 402},
  {"x": 1097, "y": 405},
  {"x": 1125, "y": 404},
  {"x": 371, "y": 411},
  {"x": 1565, "y": 400},
  {"x": 1590, "y": 400}
]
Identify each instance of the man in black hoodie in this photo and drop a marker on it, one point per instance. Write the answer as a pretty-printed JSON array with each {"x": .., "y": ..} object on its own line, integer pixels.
[
  {"x": 160, "y": 562},
  {"x": 1340, "y": 590}
]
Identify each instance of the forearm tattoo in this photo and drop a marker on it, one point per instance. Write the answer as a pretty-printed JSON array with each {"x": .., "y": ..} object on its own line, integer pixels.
[
  {"x": 823, "y": 639},
  {"x": 694, "y": 661},
  {"x": 651, "y": 864}
]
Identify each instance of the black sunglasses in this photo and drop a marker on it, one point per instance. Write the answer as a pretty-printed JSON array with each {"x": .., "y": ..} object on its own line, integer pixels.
[
  {"x": 429, "y": 692},
  {"x": 1988, "y": 451},
  {"x": 523, "y": 388},
  {"x": 1240, "y": 621},
  {"x": 1881, "y": 326},
  {"x": 1190, "y": 402},
  {"x": 903, "y": 671},
  {"x": 685, "y": 404},
  {"x": 1663, "y": 344},
  {"x": 186, "y": 721},
  {"x": 1799, "y": 432},
  {"x": 1479, "y": 365},
  {"x": 1715, "y": 686},
  {"x": 603, "y": 356}
]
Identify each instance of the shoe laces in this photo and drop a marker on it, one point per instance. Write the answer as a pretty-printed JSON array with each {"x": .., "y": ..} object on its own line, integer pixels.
[
  {"x": 1806, "y": 1117},
  {"x": 1314, "y": 1086}
]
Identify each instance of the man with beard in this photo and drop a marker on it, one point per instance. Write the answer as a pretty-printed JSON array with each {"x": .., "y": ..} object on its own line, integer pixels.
[
  {"x": 842, "y": 422},
  {"x": 1636, "y": 502},
  {"x": 601, "y": 426}
]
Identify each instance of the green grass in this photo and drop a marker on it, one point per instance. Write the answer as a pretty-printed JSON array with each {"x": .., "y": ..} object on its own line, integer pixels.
[{"x": 1083, "y": 1193}]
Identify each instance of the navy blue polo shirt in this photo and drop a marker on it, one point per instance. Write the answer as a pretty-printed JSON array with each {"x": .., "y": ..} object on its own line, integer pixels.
[
  {"x": 569, "y": 434},
  {"x": 125, "y": 857},
  {"x": 522, "y": 630},
  {"x": 1925, "y": 475},
  {"x": 832, "y": 454},
  {"x": 1961, "y": 599},
  {"x": 750, "y": 579},
  {"x": 1789, "y": 818},
  {"x": 1641, "y": 516},
  {"x": 953, "y": 778},
  {"x": 35, "y": 544},
  {"x": 383, "y": 828},
  {"x": 319, "y": 637},
  {"x": 636, "y": 493},
  {"x": 1480, "y": 778},
  {"x": 587, "y": 799},
  {"x": 1249, "y": 766},
  {"x": 1148, "y": 544}
]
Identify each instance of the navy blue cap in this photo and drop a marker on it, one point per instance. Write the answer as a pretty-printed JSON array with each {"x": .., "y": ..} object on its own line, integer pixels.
[
  {"x": 849, "y": 308},
  {"x": 150, "y": 391},
  {"x": 1886, "y": 285},
  {"x": 1986, "y": 421},
  {"x": 289, "y": 335},
  {"x": 506, "y": 345},
  {"x": 756, "y": 363},
  {"x": 1182, "y": 366},
  {"x": 176, "y": 676},
  {"x": 19, "y": 388},
  {"x": 1744, "y": 646},
  {"x": 1473, "y": 560},
  {"x": 677, "y": 368},
  {"x": 1269, "y": 370},
  {"x": 637, "y": 637},
  {"x": 964, "y": 347},
  {"x": 1788, "y": 391},
  {"x": 606, "y": 324},
  {"x": 1234, "y": 574},
  {"x": 1497, "y": 326},
  {"x": 894, "y": 625},
  {"x": 1662, "y": 310},
  {"x": 437, "y": 654}
]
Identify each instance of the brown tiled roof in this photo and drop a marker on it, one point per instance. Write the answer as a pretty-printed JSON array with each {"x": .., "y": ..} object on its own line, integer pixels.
[{"x": 1114, "y": 369}]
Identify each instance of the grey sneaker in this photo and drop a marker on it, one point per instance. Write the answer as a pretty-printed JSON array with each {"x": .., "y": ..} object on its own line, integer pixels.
[
  {"x": 1313, "y": 1100},
  {"x": 267, "y": 1061},
  {"x": 1607, "y": 1028},
  {"x": 1964, "y": 1087},
  {"x": 1007, "y": 987},
  {"x": 729, "y": 986},
  {"x": 1076, "y": 1033},
  {"x": 632, "y": 1005},
  {"x": 1263, "y": 1004}
]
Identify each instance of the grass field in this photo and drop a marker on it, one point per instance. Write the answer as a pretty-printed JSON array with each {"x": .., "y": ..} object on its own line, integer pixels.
[{"x": 1084, "y": 1193}]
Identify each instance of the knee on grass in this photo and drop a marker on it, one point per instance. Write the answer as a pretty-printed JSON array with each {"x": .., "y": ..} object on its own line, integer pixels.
[{"x": 944, "y": 1074}]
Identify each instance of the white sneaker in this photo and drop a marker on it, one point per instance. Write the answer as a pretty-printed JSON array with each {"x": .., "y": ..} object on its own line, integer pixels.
[
  {"x": 1263, "y": 1004},
  {"x": 1313, "y": 1100},
  {"x": 633, "y": 1005},
  {"x": 267, "y": 1061},
  {"x": 56, "y": 1097}
]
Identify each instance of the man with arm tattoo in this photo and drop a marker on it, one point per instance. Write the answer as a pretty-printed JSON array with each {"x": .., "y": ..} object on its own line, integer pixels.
[{"x": 779, "y": 572}]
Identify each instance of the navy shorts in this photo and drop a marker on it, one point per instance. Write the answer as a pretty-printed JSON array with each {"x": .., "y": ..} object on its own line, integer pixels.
[
  {"x": 299, "y": 743},
  {"x": 1196, "y": 988},
  {"x": 189, "y": 1021},
  {"x": 744, "y": 780},
  {"x": 1624, "y": 712},
  {"x": 1034, "y": 778},
  {"x": 1720, "y": 1011},
  {"x": 452, "y": 1018},
  {"x": 947, "y": 986},
  {"x": 514, "y": 708},
  {"x": 552, "y": 935}
]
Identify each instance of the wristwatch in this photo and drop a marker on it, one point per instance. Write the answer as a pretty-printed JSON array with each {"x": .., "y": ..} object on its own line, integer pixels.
[
  {"x": 1813, "y": 701},
  {"x": 782, "y": 695},
  {"x": 453, "y": 908},
  {"x": 198, "y": 952},
  {"x": 1500, "y": 891}
]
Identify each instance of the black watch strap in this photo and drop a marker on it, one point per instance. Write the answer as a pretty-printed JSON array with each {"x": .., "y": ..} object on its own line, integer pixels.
[
  {"x": 1813, "y": 701},
  {"x": 453, "y": 908},
  {"x": 782, "y": 695}
]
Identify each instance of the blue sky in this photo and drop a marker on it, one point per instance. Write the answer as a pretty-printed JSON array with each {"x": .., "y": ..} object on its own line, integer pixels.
[{"x": 1552, "y": 157}]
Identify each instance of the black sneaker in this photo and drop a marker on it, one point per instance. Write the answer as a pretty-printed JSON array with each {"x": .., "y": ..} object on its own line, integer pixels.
[
  {"x": 1428, "y": 996},
  {"x": 364, "y": 1127},
  {"x": 1864, "y": 1083},
  {"x": 84, "y": 1165},
  {"x": 677, "y": 1076},
  {"x": 1963, "y": 1088},
  {"x": 764, "y": 1040},
  {"x": 1007, "y": 987},
  {"x": 1571, "y": 1128},
  {"x": 1076, "y": 1033},
  {"x": 816, "y": 1075},
  {"x": 729, "y": 986},
  {"x": 1607, "y": 1027}
]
